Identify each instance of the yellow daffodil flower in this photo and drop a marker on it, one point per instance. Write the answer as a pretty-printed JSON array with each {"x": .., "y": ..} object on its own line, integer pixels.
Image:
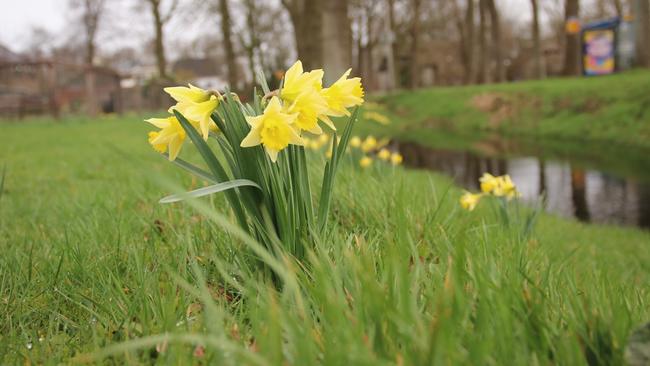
[
  {"x": 189, "y": 94},
  {"x": 468, "y": 200},
  {"x": 297, "y": 82},
  {"x": 369, "y": 144},
  {"x": 171, "y": 135},
  {"x": 508, "y": 187},
  {"x": 343, "y": 94},
  {"x": 308, "y": 105},
  {"x": 490, "y": 184},
  {"x": 161, "y": 148},
  {"x": 196, "y": 105},
  {"x": 273, "y": 129},
  {"x": 396, "y": 159},
  {"x": 200, "y": 113},
  {"x": 384, "y": 154},
  {"x": 365, "y": 162},
  {"x": 377, "y": 117},
  {"x": 355, "y": 142}
]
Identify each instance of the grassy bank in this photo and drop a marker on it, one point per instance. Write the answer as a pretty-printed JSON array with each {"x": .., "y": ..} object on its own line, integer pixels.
[
  {"x": 91, "y": 261},
  {"x": 613, "y": 109}
]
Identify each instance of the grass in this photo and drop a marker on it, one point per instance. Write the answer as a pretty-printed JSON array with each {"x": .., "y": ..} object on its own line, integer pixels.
[{"x": 94, "y": 269}]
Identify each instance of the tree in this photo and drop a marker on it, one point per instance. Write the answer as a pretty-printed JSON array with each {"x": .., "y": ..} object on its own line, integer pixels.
[
  {"x": 415, "y": 39},
  {"x": 484, "y": 63},
  {"x": 159, "y": 22},
  {"x": 337, "y": 39},
  {"x": 572, "y": 43},
  {"x": 643, "y": 32},
  {"x": 495, "y": 27},
  {"x": 92, "y": 11},
  {"x": 226, "y": 31},
  {"x": 466, "y": 29},
  {"x": 538, "y": 66},
  {"x": 307, "y": 20}
]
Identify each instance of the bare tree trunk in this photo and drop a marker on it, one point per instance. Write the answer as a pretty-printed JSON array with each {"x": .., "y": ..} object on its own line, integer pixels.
[
  {"x": 538, "y": 67},
  {"x": 469, "y": 43},
  {"x": 306, "y": 17},
  {"x": 336, "y": 53},
  {"x": 484, "y": 62},
  {"x": 572, "y": 44},
  {"x": 159, "y": 44},
  {"x": 253, "y": 43},
  {"x": 643, "y": 33},
  {"x": 393, "y": 29},
  {"x": 495, "y": 24},
  {"x": 227, "y": 42},
  {"x": 415, "y": 39}
]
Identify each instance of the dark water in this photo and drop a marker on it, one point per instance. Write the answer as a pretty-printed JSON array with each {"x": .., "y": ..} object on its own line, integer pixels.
[{"x": 571, "y": 189}]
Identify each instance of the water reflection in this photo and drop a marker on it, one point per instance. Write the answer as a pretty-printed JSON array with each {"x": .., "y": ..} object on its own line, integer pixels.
[{"x": 571, "y": 191}]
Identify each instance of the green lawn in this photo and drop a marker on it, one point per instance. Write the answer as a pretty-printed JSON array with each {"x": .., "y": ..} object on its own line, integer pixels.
[
  {"x": 93, "y": 266},
  {"x": 613, "y": 109}
]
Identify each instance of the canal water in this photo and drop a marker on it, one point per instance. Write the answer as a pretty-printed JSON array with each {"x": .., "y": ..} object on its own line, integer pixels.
[{"x": 572, "y": 188}]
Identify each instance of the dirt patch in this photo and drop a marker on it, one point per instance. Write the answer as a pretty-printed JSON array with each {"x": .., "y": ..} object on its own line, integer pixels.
[
  {"x": 589, "y": 105},
  {"x": 506, "y": 107},
  {"x": 499, "y": 107}
]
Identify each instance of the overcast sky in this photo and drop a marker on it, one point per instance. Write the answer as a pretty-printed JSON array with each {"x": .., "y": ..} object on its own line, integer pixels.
[{"x": 18, "y": 17}]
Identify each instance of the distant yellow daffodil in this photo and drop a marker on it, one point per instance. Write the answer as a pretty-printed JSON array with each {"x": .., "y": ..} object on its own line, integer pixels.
[
  {"x": 355, "y": 142},
  {"x": 396, "y": 159},
  {"x": 170, "y": 137},
  {"x": 489, "y": 183},
  {"x": 365, "y": 162},
  {"x": 468, "y": 200},
  {"x": 377, "y": 117},
  {"x": 501, "y": 186},
  {"x": 369, "y": 144},
  {"x": 384, "y": 154},
  {"x": 343, "y": 94},
  {"x": 273, "y": 129}
]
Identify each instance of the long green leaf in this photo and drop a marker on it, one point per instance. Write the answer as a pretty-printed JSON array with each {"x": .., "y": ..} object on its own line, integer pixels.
[
  {"x": 215, "y": 166},
  {"x": 215, "y": 188},
  {"x": 194, "y": 169}
]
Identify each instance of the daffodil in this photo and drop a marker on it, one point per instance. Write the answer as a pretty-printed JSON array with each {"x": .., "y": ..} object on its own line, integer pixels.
[
  {"x": 369, "y": 144},
  {"x": 161, "y": 148},
  {"x": 355, "y": 142},
  {"x": 508, "y": 187},
  {"x": 273, "y": 129},
  {"x": 195, "y": 104},
  {"x": 343, "y": 94},
  {"x": 201, "y": 113},
  {"x": 384, "y": 154},
  {"x": 301, "y": 94},
  {"x": 297, "y": 82},
  {"x": 396, "y": 159},
  {"x": 468, "y": 200},
  {"x": 170, "y": 137},
  {"x": 365, "y": 162},
  {"x": 189, "y": 94},
  {"x": 489, "y": 184},
  {"x": 308, "y": 105}
]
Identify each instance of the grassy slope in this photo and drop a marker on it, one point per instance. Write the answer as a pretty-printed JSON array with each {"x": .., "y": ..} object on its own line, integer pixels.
[
  {"x": 89, "y": 259},
  {"x": 612, "y": 109}
]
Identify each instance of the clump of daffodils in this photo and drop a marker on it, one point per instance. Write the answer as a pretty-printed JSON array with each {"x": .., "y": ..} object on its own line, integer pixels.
[
  {"x": 501, "y": 186},
  {"x": 372, "y": 149},
  {"x": 263, "y": 166}
]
